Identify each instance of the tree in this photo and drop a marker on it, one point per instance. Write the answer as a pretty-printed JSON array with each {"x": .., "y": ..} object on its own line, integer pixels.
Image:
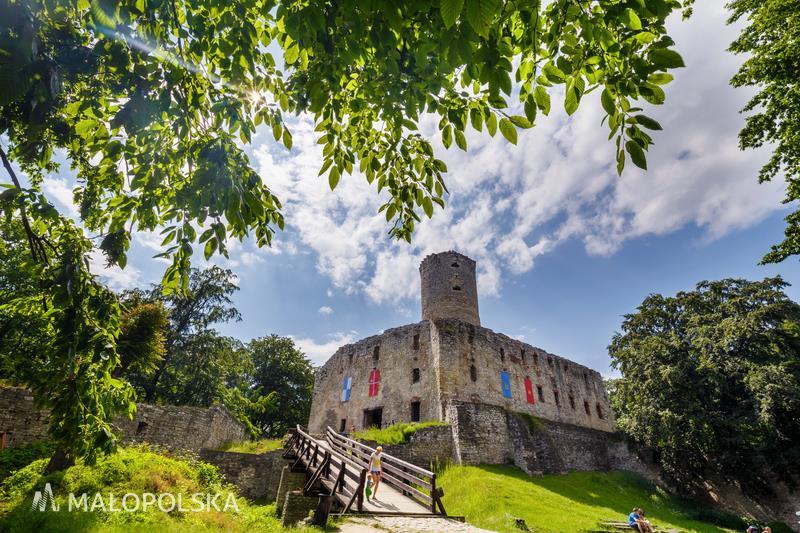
[
  {"x": 282, "y": 369},
  {"x": 141, "y": 338},
  {"x": 769, "y": 41},
  {"x": 711, "y": 380},
  {"x": 147, "y": 100}
]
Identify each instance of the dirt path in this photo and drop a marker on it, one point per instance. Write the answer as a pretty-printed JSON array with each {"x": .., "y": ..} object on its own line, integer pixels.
[{"x": 402, "y": 524}]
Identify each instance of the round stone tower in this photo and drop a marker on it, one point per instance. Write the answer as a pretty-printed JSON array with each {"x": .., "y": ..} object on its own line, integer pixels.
[{"x": 449, "y": 289}]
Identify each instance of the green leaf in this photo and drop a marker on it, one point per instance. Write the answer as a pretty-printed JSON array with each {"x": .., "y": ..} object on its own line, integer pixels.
[
  {"x": 461, "y": 141},
  {"x": 427, "y": 206},
  {"x": 542, "y": 99},
  {"x": 450, "y": 10},
  {"x": 491, "y": 124},
  {"x": 287, "y": 139},
  {"x": 660, "y": 78},
  {"x": 447, "y": 136},
  {"x": 648, "y": 122},
  {"x": 637, "y": 154},
  {"x": 480, "y": 14},
  {"x": 476, "y": 118},
  {"x": 333, "y": 177},
  {"x": 608, "y": 102},
  {"x": 521, "y": 122},
  {"x": 571, "y": 100},
  {"x": 508, "y": 130},
  {"x": 631, "y": 19},
  {"x": 553, "y": 73},
  {"x": 665, "y": 58},
  {"x": 620, "y": 162}
]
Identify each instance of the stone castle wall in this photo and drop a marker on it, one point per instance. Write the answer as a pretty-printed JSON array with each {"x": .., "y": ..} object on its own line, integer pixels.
[
  {"x": 175, "y": 427},
  {"x": 470, "y": 362},
  {"x": 255, "y": 475},
  {"x": 396, "y": 359}
]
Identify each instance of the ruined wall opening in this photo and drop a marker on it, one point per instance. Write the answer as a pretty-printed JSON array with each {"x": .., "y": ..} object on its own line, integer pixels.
[
  {"x": 141, "y": 428},
  {"x": 572, "y": 401},
  {"x": 415, "y": 375},
  {"x": 599, "y": 411},
  {"x": 473, "y": 373},
  {"x": 555, "y": 397},
  {"x": 415, "y": 411},
  {"x": 415, "y": 342},
  {"x": 456, "y": 287},
  {"x": 586, "y": 408},
  {"x": 342, "y": 425},
  {"x": 502, "y": 354},
  {"x": 454, "y": 265},
  {"x": 540, "y": 393},
  {"x": 376, "y": 353}
]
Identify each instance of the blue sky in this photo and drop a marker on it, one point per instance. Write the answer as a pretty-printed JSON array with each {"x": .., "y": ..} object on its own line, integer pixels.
[{"x": 564, "y": 246}]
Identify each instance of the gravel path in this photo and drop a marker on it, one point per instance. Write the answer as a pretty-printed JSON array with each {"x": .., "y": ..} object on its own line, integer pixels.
[{"x": 404, "y": 524}]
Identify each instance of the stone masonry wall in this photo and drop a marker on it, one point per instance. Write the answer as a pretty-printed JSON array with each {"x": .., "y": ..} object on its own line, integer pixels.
[
  {"x": 428, "y": 446},
  {"x": 176, "y": 427},
  {"x": 486, "y": 434},
  {"x": 396, "y": 359},
  {"x": 255, "y": 475},
  {"x": 470, "y": 362}
]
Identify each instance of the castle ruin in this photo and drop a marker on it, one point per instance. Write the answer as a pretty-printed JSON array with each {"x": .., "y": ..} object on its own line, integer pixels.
[{"x": 450, "y": 368}]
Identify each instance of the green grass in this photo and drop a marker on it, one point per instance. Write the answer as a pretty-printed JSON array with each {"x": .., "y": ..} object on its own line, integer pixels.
[
  {"x": 398, "y": 433},
  {"x": 492, "y": 497},
  {"x": 131, "y": 470},
  {"x": 253, "y": 446}
]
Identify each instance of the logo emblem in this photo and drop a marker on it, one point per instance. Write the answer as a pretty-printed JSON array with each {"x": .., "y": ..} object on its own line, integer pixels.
[{"x": 43, "y": 500}]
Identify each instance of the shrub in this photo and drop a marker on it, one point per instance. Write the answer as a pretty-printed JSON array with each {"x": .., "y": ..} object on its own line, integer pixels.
[
  {"x": 398, "y": 433},
  {"x": 12, "y": 459}
]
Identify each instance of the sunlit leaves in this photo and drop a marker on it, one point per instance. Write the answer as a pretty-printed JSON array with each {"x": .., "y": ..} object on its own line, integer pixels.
[{"x": 451, "y": 10}]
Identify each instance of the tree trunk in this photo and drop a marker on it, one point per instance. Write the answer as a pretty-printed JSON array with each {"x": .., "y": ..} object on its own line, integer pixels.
[{"x": 61, "y": 460}]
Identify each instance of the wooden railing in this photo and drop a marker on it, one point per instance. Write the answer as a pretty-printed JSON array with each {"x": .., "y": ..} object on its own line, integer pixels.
[
  {"x": 415, "y": 482},
  {"x": 342, "y": 477}
]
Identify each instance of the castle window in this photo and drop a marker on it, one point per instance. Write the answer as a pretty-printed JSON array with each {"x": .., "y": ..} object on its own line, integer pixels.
[
  {"x": 350, "y": 358},
  {"x": 599, "y": 411},
  {"x": 502, "y": 354},
  {"x": 522, "y": 355},
  {"x": 586, "y": 408},
  {"x": 415, "y": 411},
  {"x": 535, "y": 358},
  {"x": 374, "y": 382},
  {"x": 540, "y": 393},
  {"x": 376, "y": 353},
  {"x": 550, "y": 361},
  {"x": 528, "y": 390},
  {"x": 456, "y": 287},
  {"x": 342, "y": 425},
  {"x": 572, "y": 401},
  {"x": 416, "y": 341},
  {"x": 415, "y": 375},
  {"x": 346, "y": 388},
  {"x": 505, "y": 383},
  {"x": 586, "y": 379},
  {"x": 555, "y": 395},
  {"x": 141, "y": 428},
  {"x": 473, "y": 373},
  {"x": 454, "y": 265},
  {"x": 566, "y": 367}
]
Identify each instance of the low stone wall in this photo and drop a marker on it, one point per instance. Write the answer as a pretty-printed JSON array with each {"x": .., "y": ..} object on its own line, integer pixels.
[
  {"x": 486, "y": 434},
  {"x": 255, "y": 475},
  {"x": 174, "y": 427},
  {"x": 428, "y": 446}
]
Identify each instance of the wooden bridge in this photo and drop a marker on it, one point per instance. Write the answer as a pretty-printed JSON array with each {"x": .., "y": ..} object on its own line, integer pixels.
[{"x": 336, "y": 470}]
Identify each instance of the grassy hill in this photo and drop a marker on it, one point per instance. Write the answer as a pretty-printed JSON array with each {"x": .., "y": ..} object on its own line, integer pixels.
[
  {"x": 492, "y": 497},
  {"x": 133, "y": 470}
]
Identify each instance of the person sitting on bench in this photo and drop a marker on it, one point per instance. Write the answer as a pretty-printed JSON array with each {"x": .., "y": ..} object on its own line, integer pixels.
[{"x": 637, "y": 521}]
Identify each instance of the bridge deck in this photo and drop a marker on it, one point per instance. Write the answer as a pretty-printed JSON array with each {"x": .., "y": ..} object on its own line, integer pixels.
[
  {"x": 337, "y": 467},
  {"x": 389, "y": 500}
]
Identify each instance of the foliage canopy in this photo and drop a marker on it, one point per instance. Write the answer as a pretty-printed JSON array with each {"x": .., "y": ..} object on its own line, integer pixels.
[
  {"x": 711, "y": 379},
  {"x": 149, "y": 101}
]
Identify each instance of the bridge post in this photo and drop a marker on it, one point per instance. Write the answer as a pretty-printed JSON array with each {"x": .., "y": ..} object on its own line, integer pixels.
[{"x": 322, "y": 511}]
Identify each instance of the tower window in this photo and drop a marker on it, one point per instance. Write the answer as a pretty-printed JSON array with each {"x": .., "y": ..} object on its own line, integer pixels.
[
  {"x": 535, "y": 358},
  {"x": 502, "y": 354},
  {"x": 454, "y": 265},
  {"x": 456, "y": 287},
  {"x": 586, "y": 379},
  {"x": 350, "y": 358},
  {"x": 522, "y": 355},
  {"x": 342, "y": 425},
  {"x": 540, "y": 393},
  {"x": 599, "y": 411},
  {"x": 415, "y": 411},
  {"x": 550, "y": 361},
  {"x": 566, "y": 367},
  {"x": 555, "y": 396},
  {"x": 572, "y": 401},
  {"x": 415, "y": 375},
  {"x": 376, "y": 353},
  {"x": 416, "y": 341},
  {"x": 473, "y": 373},
  {"x": 586, "y": 408}
]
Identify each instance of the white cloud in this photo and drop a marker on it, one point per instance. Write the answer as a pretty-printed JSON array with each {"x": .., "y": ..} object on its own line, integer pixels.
[
  {"x": 114, "y": 277},
  {"x": 60, "y": 190},
  {"x": 509, "y": 205},
  {"x": 325, "y": 310},
  {"x": 319, "y": 352}
]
